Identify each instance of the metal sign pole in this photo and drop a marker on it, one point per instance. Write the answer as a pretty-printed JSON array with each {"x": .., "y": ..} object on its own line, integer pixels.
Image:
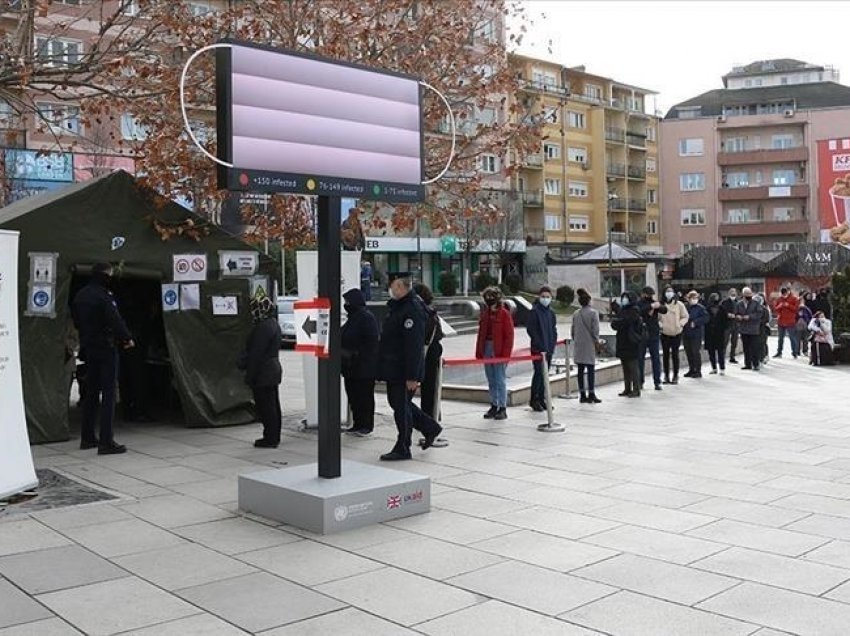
[
  {"x": 568, "y": 395},
  {"x": 330, "y": 260},
  {"x": 550, "y": 426}
]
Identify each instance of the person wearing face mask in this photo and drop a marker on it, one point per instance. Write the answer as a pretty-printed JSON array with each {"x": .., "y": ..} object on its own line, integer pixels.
[
  {"x": 749, "y": 315},
  {"x": 359, "y": 346},
  {"x": 628, "y": 325},
  {"x": 102, "y": 330},
  {"x": 730, "y": 337},
  {"x": 694, "y": 333},
  {"x": 715, "y": 334},
  {"x": 786, "y": 307},
  {"x": 804, "y": 317},
  {"x": 822, "y": 340},
  {"x": 433, "y": 351},
  {"x": 585, "y": 334},
  {"x": 672, "y": 324},
  {"x": 650, "y": 310},
  {"x": 495, "y": 340},
  {"x": 543, "y": 332}
]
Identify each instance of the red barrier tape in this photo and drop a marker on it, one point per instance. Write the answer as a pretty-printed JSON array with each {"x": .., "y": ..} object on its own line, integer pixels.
[{"x": 530, "y": 357}]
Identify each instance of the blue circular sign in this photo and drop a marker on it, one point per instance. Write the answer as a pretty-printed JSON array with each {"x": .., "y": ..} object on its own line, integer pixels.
[
  {"x": 41, "y": 298},
  {"x": 170, "y": 297}
]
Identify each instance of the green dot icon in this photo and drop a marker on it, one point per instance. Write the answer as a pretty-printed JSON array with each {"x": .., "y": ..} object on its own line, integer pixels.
[{"x": 376, "y": 189}]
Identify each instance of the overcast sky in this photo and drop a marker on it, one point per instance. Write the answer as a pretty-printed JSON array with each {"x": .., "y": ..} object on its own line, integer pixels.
[{"x": 681, "y": 48}]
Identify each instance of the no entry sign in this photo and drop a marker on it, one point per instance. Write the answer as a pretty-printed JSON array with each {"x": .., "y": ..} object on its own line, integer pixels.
[{"x": 312, "y": 323}]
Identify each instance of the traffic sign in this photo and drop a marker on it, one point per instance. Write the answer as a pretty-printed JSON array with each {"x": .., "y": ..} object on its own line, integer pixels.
[{"x": 312, "y": 323}]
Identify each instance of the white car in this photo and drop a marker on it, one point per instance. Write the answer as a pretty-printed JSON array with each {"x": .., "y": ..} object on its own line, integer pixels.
[{"x": 286, "y": 319}]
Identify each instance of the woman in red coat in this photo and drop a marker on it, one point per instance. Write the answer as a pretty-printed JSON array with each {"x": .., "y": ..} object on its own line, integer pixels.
[{"x": 495, "y": 340}]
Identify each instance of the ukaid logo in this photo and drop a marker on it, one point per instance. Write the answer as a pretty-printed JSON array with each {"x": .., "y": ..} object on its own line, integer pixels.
[
  {"x": 841, "y": 163},
  {"x": 414, "y": 497},
  {"x": 393, "y": 502},
  {"x": 397, "y": 501}
]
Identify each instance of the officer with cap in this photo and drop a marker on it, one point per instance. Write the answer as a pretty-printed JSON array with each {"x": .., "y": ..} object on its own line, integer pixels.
[
  {"x": 401, "y": 365},
  {"x": 101, "y": 330}
]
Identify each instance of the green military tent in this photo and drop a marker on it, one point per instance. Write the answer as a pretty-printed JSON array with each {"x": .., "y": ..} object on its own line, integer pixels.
[{"x": 111, "y": 219}]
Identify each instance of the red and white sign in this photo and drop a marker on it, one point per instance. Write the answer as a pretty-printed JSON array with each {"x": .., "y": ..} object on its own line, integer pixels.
[
  {"x": 312, "y": 324},
  {"x": 190, "y": 268}
]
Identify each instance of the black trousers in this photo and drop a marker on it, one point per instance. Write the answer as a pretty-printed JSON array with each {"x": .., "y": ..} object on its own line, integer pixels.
[
  {"x": 730, "y": 339},
  {"x": 408, "y": 416},
  {"x": 361, "y": 400},
  {"x": 693, "y": 348},
  {"x": 631, "y": 375},
  {"x": 101, "y": 377},
  {"x": 670, "y": 348},
  {"x": 428, "y": 389},
  {"x": 267, "y": 401},
  {"x": 752, "y": 355}
]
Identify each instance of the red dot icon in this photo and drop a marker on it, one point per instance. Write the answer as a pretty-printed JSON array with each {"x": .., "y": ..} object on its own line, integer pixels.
[{"x": 243, "y": 179}]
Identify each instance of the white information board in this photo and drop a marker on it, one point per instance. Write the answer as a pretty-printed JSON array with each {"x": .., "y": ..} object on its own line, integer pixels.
[{"x": 17, "y": 472}]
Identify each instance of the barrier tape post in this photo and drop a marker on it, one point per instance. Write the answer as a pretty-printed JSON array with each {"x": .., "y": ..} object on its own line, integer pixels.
[
  {"x": 550, "y": 426},
  {"x": 568, "y": 395}
]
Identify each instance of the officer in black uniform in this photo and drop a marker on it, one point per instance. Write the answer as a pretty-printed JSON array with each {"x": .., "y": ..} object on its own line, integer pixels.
[
  {"x": 102, "y": 330},
  {"x": 401, "y": 365}
]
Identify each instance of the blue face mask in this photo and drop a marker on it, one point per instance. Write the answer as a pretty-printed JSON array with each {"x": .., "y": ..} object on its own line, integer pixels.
[
  {"x": 545, "y": 300},
  {"x": 624, "y": 301}
]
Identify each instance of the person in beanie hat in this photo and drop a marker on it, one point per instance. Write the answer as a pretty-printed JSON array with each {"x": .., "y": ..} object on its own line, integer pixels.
[{"x": 359, "y": 345}]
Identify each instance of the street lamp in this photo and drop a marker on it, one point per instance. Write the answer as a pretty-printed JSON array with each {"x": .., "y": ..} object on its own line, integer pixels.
[{"x": 612, "y": 196}]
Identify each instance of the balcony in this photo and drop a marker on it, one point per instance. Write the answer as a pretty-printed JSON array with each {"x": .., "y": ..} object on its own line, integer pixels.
[
  {"x": 588, "y": 99},
  {"x": 616, "y": 169},
  {"x": 543, "y": 87},
  {"x": 532, "y": 198},
  {"x": 462, "y": 126},
  {"x": 637, "y": 205},
  {"x": 798, "y": 227},
  {"x": 751, "y": 157},
  {"x": 800, "y": 191},
  {"x": 533, "y": 161},
  {"x": 636, "y": 140},
  {"x": 629, "y": 239},
  {"x": 617, "y": 135},
  {"x": 637, "y": 173}
]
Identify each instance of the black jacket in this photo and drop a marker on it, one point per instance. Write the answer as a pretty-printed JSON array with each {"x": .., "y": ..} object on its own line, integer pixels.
[
  {"x": 718, "y": 322},
  {"x": 625, "y": 322},
  {"x": 650, "y": 316},
  {"x": 260, "y": 360},
  {"x": 98, "y": 321},
  {"x": 542, "y": 329},
  {"x": 360, "y": 345},
  {"x": 401, "y": 350}
]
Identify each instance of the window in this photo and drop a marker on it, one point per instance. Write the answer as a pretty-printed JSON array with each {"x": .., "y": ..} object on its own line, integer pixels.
[
  {"x": 692, "y": 147},
  {"x": 579, "y": 224},
  {"x": 131, "y": 7},
  {"x": 784, "y": 177},
  {"x": 131, "y": 129},
  {"x": 486, "y": 32},
  {"x": 553, "y": 223},
  {"x": 60, "y": 117},
  {"x": 543, "y": 78},
  {"x": 198, "y": 9},
  {"x": 6, "y": 114},
  {"x": 652, "y": 196},
  {"x": 748, "y": 83},
  {"x": 783, "y": 214},
  {"x": 736, "y": 180},
  {"x": 577, "y": 155},
  {"x": 687, "y": 247},
  {"x": 593, "y": 92},
  {"x": 779, "y": 142},
  {"x": 738, "y": 215},
  {"x": 757, "y": 81},
  {"x": 576, "y": 120},
  {"x": 578, "y": 189},
  {"x": 551, "y": 151},
  {"x": 488, "y": 164},
  {"x": 650, "y": 165},
  {"x": 651, "y": 134},
  {"x": 691, "y": 181},
  {"x": 735, "y": 144},
  {"x": 693, "y": 217},
  {"x": 56, "y": 52},
  {"x": 552, "y": 187},
  {"x": 485, "y": 116},
  {"x": 781, "y": 247},
  {"x": 485, "y": 71},
  {"x": 652, "y": 227}
]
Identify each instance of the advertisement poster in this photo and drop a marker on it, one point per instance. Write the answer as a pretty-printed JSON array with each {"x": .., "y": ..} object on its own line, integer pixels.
[
  {"x": 16, "y": 468},
  {"x": 834, "y": 190}
]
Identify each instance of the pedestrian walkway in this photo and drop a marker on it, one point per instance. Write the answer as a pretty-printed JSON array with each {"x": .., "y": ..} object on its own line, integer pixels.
[{"x": 718, "y": 506}]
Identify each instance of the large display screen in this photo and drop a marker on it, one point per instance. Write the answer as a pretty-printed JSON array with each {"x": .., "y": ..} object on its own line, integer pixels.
[{"x": 289, "y": 122}]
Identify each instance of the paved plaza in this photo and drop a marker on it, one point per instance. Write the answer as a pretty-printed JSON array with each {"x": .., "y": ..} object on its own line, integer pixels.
[{"x": 719, "y": 506}]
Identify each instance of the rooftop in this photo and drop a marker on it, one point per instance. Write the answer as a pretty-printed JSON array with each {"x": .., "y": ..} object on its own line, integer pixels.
[{"x": 762, "y": 67}]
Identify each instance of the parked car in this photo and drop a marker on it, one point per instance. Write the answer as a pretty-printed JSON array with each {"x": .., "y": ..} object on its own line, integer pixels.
[{"x": 286, "y": 319}]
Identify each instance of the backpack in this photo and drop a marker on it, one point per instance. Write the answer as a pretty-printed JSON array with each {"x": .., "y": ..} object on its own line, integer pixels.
[{"x": 639, "y": 334}]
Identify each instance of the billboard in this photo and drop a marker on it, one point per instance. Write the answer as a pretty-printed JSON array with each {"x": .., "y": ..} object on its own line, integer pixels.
[
  {"x": 296, "y": 123},
  {"x": 834, "y": 190}
]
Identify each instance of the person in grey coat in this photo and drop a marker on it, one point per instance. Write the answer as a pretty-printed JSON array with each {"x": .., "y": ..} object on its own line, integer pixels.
[
  {"x": 749, "y": 315},
  {"x": 585, "y": 336}
]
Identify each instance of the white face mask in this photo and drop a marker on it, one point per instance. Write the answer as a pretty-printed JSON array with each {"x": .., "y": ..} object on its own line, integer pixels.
[
  {"x": 733, "y": 296},
  {"x": 693, "y": 301},
  {"x": 669, "y": 295},
  {"x": 624, "y": 301},
  {"x": 545, "y": 300}
]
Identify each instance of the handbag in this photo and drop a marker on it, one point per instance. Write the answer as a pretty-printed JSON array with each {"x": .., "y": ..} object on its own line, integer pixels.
[{"x": 599, "y": 344}]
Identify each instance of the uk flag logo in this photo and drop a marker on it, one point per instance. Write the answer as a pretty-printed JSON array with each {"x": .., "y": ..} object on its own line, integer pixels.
[{"x": 393, "y": 501}]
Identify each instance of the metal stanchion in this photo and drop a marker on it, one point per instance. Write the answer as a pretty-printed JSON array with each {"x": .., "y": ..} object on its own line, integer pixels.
[
  {"x": 550, "y": 426},
  {"x": 568, "y": 395}
]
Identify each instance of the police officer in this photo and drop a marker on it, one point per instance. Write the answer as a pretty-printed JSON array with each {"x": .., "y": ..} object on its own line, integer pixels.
[
  {"x": 102, "y": 330},
  {"x": 401, "y": 365}
]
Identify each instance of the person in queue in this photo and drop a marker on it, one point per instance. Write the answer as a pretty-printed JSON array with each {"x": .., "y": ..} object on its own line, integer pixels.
[
  {"x": 401, "y": 364},
  {"x": 822, "y": 339},
  {"x": 715, "y": 334},
  {"x": 693, "y": 334},
  {"x": 764, "y": 333},
  {"x": 263, "y": 373},
  {"x": 102, "y": 332},
  {"x": 748, "y": 315},
  {"x": 650, "y": 309},
  {"x": 804, "y": 317},
  {"x": 359, "y": 343},
  {"x": 495, "y": 340},
  {"x": 433, "y": 351},
  {"x": 585, "y": 336},
  {"x": 785, "y": 308},
  {"x": 628, "y": 325},
  {"x": 543, "y": 333},
  {"x": 730, "y": 338},
  {"x": 672, "y": 324}
]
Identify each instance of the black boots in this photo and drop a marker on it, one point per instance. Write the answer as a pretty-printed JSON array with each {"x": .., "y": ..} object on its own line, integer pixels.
[{"x": 489, "y": 415}]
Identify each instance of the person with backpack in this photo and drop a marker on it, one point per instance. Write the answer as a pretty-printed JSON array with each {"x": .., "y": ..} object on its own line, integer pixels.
[
  {"x": 693, "y": 334},
  {"x": 543, "y": 332},
  {"x": 631, "y": 335},
  {"x": 672, "y": 324}
]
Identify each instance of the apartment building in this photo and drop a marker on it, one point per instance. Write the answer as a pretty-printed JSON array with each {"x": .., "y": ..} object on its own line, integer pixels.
[
  {"x": 597, "y": 169},
  {"x": 740, "y": 163}
]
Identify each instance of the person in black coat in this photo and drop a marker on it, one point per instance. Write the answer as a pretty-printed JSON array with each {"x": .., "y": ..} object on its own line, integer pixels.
[
  {"x": 433, "y": 351},
  {"x": 263, "y": 373},
  {"x": 627, "y": 323},
  {"x": 716, "y": 330},
  {"x": 359, "y": 339},
  {"x": 543, "y": 332},
  {"x": 649, "y": 310},
  {"x": 102, "y": 331},
  {"x": 401, "y": 364}
]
